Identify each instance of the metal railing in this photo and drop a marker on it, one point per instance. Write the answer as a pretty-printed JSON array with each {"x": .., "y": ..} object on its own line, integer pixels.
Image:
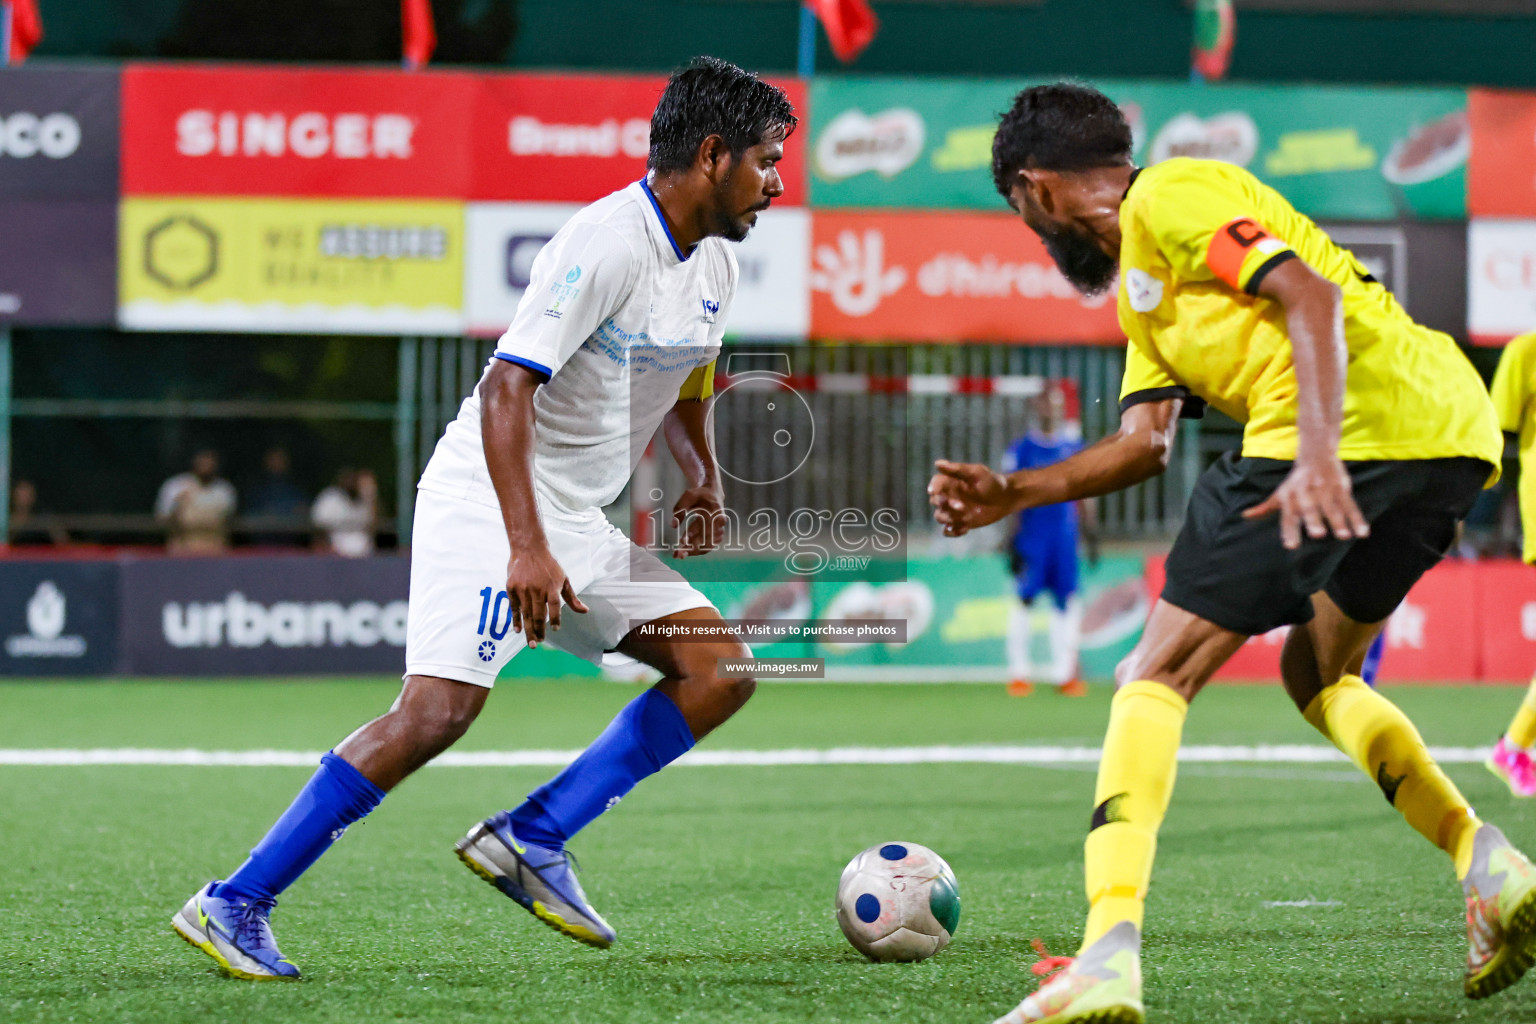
[
  {"x": 861, "y": 464},
  {"x": 856, "y": 427}
]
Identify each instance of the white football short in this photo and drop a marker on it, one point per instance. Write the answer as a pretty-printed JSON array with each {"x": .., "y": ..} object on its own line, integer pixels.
[{"x": 460, "y": 621}]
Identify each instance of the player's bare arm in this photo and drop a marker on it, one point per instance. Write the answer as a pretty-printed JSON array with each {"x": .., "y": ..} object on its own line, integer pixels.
[
  {"x": 535, "y": 581},
  {"x": 1317, "y": 493},
  {"x": 699, "y": 509},
  {"x": 966, "y": 496}
]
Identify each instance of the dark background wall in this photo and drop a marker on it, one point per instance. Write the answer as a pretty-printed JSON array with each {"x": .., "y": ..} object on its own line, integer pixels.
[{"x": 1080, "y": 37}]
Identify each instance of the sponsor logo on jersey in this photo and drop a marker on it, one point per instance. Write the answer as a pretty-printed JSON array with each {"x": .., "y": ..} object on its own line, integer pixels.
[
  {"x": 564, "y": 292},
  {"x": 1144, "y": 291}
]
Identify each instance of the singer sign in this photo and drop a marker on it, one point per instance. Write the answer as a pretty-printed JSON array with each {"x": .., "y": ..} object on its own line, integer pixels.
[{"x": 246, "y": 131}]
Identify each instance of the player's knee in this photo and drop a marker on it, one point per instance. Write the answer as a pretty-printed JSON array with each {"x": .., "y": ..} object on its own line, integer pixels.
[
  {"x": 709, "y": 670},
  {"x": 438, "y": 727}
]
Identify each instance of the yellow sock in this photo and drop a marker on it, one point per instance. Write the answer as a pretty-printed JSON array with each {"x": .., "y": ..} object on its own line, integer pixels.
[
  {"x": 1136, "y": 776},
  {"x": 1522, "y": 731},
  {"x": 1381, "y": 740}
]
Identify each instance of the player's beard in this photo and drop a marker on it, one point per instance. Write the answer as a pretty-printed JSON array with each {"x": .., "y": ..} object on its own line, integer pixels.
[
  {"x": 1080, "y": 259},
  {"x": 733, "y": 227}
]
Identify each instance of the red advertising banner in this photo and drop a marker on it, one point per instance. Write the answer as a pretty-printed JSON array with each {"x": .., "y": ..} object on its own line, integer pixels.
[
  {"x": 1432, "y": 637},
  {"x": 575, "y": 138},
  {"x": 1501, "y": 174},
  {"x": 204, "y": 130},
  {"x": 1506, "y": 603},
  {"x": 913, "y": 276}
]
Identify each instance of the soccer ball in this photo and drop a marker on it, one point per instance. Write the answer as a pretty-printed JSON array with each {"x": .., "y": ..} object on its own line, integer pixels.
[{"x": 898, "y": 902}]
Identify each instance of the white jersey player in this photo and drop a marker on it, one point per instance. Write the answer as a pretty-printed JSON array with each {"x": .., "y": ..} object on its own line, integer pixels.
[{"x": 615, "y": 337}]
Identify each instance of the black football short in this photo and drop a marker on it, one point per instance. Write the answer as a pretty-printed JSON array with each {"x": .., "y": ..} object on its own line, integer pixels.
[{"x": 1235, "y": 573}]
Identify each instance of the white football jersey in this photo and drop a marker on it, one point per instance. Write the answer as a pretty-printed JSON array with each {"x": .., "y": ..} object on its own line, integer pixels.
[{"x": 615, "y": 317}]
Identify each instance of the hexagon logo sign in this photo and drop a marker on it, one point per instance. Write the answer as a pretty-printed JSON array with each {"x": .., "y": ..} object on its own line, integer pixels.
[{"x": 181, "y": 252}]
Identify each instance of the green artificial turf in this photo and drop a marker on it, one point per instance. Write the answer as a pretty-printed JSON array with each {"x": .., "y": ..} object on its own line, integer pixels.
[{"x": 720, "y": 879}]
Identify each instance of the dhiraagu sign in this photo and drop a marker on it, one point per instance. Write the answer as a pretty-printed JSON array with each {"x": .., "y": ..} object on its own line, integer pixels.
[
  {"x": 1351, "y": 153},
  {"x": 356, "y": 267}
]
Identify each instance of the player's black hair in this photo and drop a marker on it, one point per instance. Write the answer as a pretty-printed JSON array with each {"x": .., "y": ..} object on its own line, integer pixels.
[
  {"x": 715, "y": 97},
  {"x": 1060, "y": 127}
]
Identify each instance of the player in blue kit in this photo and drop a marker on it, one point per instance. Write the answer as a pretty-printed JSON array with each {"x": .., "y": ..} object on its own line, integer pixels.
[
  {"x": 1042, "y": 554},
  {"x": 614, "y": 339}
]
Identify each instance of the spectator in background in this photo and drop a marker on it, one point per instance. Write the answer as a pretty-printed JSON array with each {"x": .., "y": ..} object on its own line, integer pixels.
[
  {"x": 348, "y": 513},
  {"x": 195, "y": 507},
  {"x": 276, "y": 498},
  {"x": 30, "y": 526}
]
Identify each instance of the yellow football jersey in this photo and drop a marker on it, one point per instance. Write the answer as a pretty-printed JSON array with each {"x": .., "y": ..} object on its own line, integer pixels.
[
  {"x": 1198, "y": 237},
  {"x": 700, "y": 383},
  {"x": 1514, "y": 399}
]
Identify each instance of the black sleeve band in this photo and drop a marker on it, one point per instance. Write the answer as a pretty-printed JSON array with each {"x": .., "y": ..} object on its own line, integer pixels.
[
  {"x": 1252, "y": 287},
  {"x": 1192, "y": 409}
]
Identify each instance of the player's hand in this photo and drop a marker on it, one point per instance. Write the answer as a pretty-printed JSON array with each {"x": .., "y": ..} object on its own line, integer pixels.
[
  {"x": 700, "y": 515},
  {"x": 1317, "y": 495},
  {"x": 537, "y": 584},
  {"x": 967, "y": 495}
]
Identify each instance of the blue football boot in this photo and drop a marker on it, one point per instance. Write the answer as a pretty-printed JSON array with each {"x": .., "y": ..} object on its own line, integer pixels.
[
  {"x": 540, "y": 880},
  {"x": 236, "y": 933}
]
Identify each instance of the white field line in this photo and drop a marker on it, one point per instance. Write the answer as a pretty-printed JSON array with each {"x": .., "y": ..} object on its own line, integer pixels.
[{"x": 1285, "y": 754}]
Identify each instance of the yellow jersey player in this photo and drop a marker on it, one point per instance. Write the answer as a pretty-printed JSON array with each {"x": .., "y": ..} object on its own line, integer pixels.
[
  {"x": 1368, "y": 434},
  {"x": 1514, "y": 393}
]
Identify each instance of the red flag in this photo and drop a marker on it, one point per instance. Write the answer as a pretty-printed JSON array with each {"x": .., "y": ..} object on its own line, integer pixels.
[
  {"x": 850, "y": 25},
  {"x": 21, "y": 28},
  {"x": 418, "y": 34}
]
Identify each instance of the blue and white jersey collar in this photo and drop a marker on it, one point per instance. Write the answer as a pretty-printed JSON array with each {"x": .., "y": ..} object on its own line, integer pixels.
[{"x": 661, "y": 234}]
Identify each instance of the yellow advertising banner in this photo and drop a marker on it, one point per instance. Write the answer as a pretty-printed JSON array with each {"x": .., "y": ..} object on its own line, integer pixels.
[{"x": 291, "y": 265}]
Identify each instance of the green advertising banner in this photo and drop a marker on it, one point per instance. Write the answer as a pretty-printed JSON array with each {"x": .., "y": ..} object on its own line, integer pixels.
[
  {"x": 1344, "y": 153},
  {"x": 956, "y": 612}
]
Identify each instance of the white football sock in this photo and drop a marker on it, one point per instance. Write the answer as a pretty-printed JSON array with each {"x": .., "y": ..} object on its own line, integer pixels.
[
  {"x": 1066, "y": 632},
  {"x": 1019, "y": 665}
]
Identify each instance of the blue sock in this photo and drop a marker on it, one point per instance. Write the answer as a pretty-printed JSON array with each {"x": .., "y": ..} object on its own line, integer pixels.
[
  {"x": 649, "y": 734},
  {"x": 1372, "y": 663},
  {"x": 334, "y": 797}
]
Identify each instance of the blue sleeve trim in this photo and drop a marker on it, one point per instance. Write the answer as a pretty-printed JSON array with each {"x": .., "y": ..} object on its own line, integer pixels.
[
  {"x": 663, "y": 218},
  {"x": 538, "y": 368}
]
